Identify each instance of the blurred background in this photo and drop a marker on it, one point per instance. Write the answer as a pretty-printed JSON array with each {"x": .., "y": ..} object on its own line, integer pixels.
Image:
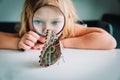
[
  {"x": 99, "y": 13},
  {"x": 10, "y": 10}
]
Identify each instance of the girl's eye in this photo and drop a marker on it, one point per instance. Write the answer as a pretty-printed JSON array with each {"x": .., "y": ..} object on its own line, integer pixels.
[
  {"x": 55, "y": 22},
  {"x": 37, "y": 22}
]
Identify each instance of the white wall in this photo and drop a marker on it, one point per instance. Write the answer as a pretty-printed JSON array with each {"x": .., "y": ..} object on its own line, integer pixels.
[
  {"x": 10, "y": 10},
  {"x": 93, "y": 9}
]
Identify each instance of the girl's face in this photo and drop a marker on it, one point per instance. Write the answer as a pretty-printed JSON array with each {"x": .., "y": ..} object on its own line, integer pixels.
[{"x": 47, "y": 17}]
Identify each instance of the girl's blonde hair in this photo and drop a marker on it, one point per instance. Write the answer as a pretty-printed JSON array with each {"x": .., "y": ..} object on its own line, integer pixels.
[{"x": 65, "y": 6}]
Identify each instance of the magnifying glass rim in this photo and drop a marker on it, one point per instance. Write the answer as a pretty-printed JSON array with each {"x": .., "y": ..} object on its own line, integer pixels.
[{"x": 52, "y": 6}]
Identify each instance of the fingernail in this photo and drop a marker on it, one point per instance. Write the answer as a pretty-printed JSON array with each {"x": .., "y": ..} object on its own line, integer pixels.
[
  {"x": 32, "y": 48},
  {"x": 38, "y": 48},
  {"x": 22, "y": 50}
]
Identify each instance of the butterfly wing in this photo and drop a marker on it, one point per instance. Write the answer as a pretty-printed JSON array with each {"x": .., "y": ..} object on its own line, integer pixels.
[{"x": 51, "y": 51}]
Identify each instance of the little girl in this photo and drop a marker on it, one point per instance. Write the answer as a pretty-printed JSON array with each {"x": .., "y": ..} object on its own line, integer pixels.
[{"x": 73, "y": 35}]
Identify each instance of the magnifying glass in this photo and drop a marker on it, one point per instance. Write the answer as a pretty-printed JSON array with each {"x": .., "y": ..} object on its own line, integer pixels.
[{"x": 48, "y": 17}]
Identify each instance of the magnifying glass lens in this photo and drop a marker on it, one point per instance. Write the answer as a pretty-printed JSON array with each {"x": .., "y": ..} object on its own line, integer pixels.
[{"x": 48, "y": 18}]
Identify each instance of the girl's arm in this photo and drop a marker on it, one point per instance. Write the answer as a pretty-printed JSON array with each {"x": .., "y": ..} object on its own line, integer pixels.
[
  {"x": 8, "y": 40},
  {"x": 90, "y": 38}
]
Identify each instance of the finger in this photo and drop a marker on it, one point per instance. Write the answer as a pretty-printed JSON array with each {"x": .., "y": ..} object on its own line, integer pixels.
[
  {"x": 31, "y": 38},
  {"x": 42, "y": 39},
  {"x": 29, "y": 43},
  {"x": 38, "y": 46},
  {"x": 35, "y": 35},
  {"x": 61, "y": 45},
  {"x": 24, "y": 46}
]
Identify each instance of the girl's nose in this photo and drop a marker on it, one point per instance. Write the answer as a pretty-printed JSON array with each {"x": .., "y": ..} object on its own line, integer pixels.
[{"x": 47, "y": 27}]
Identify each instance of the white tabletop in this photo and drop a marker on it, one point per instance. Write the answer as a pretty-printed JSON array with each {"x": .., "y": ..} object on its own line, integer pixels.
[{"x": 75, "y": 64}]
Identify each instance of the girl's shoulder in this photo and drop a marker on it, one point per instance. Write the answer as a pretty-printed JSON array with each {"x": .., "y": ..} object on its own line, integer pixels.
[{"x": 79, "y": 29}]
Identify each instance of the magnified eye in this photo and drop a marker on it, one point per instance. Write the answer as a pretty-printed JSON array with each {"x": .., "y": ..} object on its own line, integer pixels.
[
  {"x": 55, "y": 22},
  {"x": 38, "y": 22}
]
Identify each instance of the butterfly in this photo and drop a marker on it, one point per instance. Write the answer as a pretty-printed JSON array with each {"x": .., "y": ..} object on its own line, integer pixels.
[{"x": 51, "y": 51}]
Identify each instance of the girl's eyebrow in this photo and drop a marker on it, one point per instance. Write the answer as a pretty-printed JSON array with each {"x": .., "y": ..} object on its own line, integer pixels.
[
  {"x": 36, "y": 17},
  {"x": 54, "y": 18},
  {"x": 58, "y": 18}
]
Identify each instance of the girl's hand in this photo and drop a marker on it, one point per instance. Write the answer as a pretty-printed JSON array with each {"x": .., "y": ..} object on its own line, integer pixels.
[
  {"x": 61, "y": 45},
  {"x": 29, "y": 40},
  {"x": 40, "y": 43}
]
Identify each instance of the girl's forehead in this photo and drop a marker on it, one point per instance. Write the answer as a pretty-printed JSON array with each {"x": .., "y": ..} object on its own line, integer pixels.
[{"x": 48, "y": 11}]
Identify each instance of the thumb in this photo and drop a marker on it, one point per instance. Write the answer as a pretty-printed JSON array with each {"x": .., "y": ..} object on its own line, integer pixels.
[{"x": 42, "y": 39}]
